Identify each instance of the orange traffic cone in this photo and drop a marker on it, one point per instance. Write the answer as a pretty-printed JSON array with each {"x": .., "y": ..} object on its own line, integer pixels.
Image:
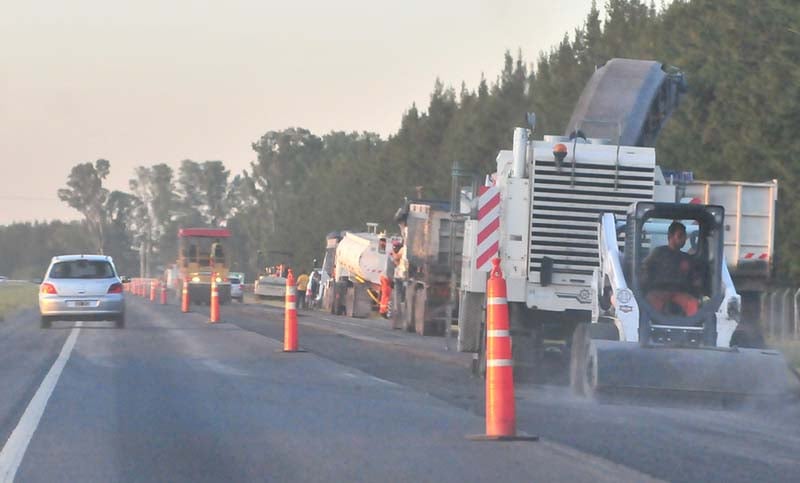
[
  {"x": 500, "y": 410},
  {"x": 290, "y": 318},
  {"x": 386, "y": 293},
  {"x": 153, "y": 287},
  {"x": 185, "y": 296},
  {"x": 164, "y": 293},
  {"x": 214, "y": 299}
]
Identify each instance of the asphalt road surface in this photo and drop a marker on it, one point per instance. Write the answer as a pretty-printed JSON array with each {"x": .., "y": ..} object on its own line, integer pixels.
[{"x": 173, "y": 398}]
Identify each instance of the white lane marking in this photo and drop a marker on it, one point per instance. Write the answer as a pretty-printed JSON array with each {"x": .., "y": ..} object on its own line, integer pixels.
[
  {"x": 14, "y": 449},
  {"x": 370, "y": 377}
]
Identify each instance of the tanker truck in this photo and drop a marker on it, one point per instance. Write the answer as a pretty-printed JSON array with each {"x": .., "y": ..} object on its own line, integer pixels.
[{"x": 361, "y": 259}]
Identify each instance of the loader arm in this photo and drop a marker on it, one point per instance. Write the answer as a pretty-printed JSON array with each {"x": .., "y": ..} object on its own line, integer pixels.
[{"x": 612, "y": 277}]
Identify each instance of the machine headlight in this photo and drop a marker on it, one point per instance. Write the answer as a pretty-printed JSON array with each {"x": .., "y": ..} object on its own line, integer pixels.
[
  {"x": 195, "y": 279},
  {"x": 624, "y": 296}
]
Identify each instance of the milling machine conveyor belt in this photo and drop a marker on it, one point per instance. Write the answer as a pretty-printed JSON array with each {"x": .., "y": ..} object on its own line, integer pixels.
[{"x": 627, "y": 101}]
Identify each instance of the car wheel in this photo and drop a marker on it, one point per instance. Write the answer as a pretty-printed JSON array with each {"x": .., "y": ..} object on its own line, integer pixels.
[
  {"x": 119, "y": 321},
  {"x": 45, "y": 322}
]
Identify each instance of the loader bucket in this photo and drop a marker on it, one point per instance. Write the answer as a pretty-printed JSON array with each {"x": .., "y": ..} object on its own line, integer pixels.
[{"x": 697, "y": 373}]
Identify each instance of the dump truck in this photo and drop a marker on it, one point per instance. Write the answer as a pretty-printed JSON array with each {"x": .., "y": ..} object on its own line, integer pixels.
[
  {"x": 750, "y": 209},
  {"x": 422, "y": 305}
]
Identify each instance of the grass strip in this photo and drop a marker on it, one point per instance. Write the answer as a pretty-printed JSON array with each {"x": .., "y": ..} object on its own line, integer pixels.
[{"x": 16, "y": 295}]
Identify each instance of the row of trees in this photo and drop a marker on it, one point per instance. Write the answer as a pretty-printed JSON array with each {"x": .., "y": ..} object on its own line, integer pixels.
[
  {"x": 737, "y": 122},
  {"x": 140, "y": 226}
]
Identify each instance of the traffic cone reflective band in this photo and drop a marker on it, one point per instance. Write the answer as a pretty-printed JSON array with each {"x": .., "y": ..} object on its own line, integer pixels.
[
  {"x": 290, "y": 317},
  {"x": 386, "y": 293},
  {"x": 164, "y": 293},
  {"x": 501, "y": 422},
  {"x": 214, "y": 299},
  {"x": 153, "y": 285},
  {"x": 185, "y": 296}
]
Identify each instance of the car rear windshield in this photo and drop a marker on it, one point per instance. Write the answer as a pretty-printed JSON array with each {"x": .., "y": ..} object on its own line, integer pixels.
[
  {"x": 234, "y": 280},
  {"x": 82, "y": 269}
]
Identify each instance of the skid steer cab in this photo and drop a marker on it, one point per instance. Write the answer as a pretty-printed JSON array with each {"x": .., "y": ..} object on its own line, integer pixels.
[
  {"x": 666, "y": 311},
  {"x": 673, "y": 259}
]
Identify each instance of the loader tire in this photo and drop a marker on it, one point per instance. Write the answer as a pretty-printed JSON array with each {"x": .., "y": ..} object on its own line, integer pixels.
[
  {"x": 748, "y": 336},
  {"x": 604, "y": 329},
  {"x": 583, "y": 362}
]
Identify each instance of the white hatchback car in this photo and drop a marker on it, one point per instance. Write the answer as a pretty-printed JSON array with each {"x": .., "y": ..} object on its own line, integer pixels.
[
  {"x": 81, "y": 287},
  {"x": 237, "y": 291}
]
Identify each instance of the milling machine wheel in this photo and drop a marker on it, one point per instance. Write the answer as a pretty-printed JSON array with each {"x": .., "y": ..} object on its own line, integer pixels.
[
  {"x": 411, "y": 298},
  {"x": 583, "y": 362},
  {"x": 479, "y": 360}
]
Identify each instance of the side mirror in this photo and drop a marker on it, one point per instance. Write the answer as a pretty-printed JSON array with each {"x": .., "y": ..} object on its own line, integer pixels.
[{"x": 125, "y": 279}]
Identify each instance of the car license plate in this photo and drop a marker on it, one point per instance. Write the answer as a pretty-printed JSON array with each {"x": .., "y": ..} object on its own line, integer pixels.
[{"x": 82, "y": 303}]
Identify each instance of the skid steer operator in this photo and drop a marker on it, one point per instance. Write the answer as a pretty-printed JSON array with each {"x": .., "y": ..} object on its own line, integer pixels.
[{"x": 671, "y": 276}]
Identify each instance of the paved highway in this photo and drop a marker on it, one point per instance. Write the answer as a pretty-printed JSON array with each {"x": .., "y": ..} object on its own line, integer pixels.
[
  {"x": 666, "y": 441},
  {"x": 172, "y": 398}
]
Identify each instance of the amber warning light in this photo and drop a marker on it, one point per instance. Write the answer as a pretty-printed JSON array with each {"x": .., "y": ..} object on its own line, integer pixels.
[{"x": 560, "y": 152}]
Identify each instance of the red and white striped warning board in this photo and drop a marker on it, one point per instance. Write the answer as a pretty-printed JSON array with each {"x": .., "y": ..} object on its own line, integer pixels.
[
  {"x": 488, "y": 226},
  {"x": 752, "y": 256}
]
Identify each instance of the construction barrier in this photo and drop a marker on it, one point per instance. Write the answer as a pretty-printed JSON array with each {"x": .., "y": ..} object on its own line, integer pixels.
[
  {"x": 214, "y": 300},
  {"x": 185, "y": 296},
  {"x": 164, "y": 293},
  {"x": 290, "y": 317},
  {"x": 500, "y": 407},
  {"x": 153, "y": 286}
]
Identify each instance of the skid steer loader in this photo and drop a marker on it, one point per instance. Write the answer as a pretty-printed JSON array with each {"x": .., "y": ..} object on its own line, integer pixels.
[{"x": 634, "y": 347}]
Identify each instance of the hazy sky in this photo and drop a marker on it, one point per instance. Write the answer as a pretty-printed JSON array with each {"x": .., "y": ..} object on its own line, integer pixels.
[{"x": 142, "y": 82}]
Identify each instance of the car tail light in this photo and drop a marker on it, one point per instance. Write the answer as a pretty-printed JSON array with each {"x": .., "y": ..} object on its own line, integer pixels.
[
  {"x": 115, "y": 288},
  {"x": 48, "y": 288}
]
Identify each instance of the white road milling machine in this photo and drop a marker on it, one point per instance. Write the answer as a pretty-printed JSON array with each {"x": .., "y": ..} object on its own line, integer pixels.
[{"x": 572, "y": 219}]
